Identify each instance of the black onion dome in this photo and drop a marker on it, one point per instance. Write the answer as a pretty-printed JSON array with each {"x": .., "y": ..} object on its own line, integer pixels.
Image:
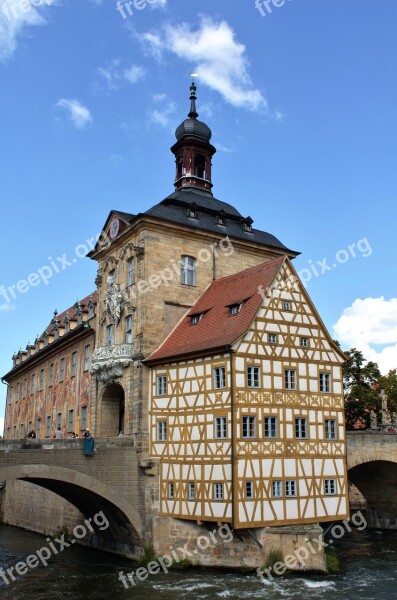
[{"x": 192, "y": 126}]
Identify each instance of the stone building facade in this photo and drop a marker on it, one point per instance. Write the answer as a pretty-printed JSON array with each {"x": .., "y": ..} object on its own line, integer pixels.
[{"x": 152, "y": 269}]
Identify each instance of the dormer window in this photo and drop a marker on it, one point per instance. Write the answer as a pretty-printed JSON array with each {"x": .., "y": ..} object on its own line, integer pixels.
[
  {"x": 247, "y": 225},
  {"x": 235, "y": 309},
  {"x": 220, "y": 220},
  {"x": 195, "y": 319},
  {"x": 192, "y": 213}
]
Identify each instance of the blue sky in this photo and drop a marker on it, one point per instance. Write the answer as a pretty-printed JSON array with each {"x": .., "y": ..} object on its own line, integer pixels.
[{"x": 302, "y": 103}]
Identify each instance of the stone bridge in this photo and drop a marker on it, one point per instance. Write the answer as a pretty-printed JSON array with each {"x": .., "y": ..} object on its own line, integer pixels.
[
  {"x": 372, "y": 464},
  {"x": 109, "y": 482}
]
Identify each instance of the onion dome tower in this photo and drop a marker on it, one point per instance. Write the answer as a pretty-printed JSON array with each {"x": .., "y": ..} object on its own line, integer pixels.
[{"x": 193, "y": 150}]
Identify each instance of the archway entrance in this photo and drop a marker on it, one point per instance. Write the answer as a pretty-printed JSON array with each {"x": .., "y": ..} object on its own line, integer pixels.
[{"x": 113, "y": 411}]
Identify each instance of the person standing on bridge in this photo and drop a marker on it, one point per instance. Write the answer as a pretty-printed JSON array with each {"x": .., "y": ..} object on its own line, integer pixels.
[{"x": 58, "y": 434}]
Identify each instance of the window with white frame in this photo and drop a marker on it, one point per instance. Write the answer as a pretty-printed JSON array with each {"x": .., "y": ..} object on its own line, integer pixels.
[
  {"x": 109, "y": 335},
  {"x": 277, "y": 489},
  {"x": 272, "y": 338},
  {"x": 287, "y": 306},
  {"x": 301, "y": 428},
  {"x": 330, "y": 487},
  {"x": 130, "y": 271},
  {"x": 330, "y": 429},
  {"x": 191, "y": 491},
  {"x": 171, "y": 490},
  {"x": 62, "y": 363},
  {"x": 304, "y": 342},
  {"x": 249, "y": 427},
  {"x": 219, "y": 378},
  {"x": 73, "y": 367},
  {"x": 290, "y": 379},
  {"x": 128, "y": 329},
  {"x": 161, "y": 431},
  {"x": 161, "y": 385},
  {"x": 249, "y": 489},
  {"x": 188, "y": 270},
  {"x": 253, "y": 377},
  {"x": 87, "y": 357},
  {"x": 271, "y": 427},
  {"x": 325, "y": 382},
  {"x": 220, "y": 428},
  {"x": 218, "y": 491},
  {"x": 290, "y": 487}
]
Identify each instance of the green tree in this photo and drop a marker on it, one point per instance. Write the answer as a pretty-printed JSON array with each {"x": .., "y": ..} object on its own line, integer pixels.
[
  {"x": 361, "y": 387},
  {"x": 389, "y": 384}
]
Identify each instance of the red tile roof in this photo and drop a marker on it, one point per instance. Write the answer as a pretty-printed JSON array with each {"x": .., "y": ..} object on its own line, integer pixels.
[{"x": 217, "y": 328}]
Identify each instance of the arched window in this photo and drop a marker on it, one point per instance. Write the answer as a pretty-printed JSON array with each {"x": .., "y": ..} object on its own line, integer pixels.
[
  {"x": 188, "y": 270},
  {"x": 199, "y": 166},
  {"x": 179, "y": 167}
]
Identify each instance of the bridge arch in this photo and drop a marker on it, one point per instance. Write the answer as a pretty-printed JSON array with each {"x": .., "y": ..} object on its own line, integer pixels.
[
  {"x": 372, "y": 468},
  {"x": 90, "y": 496}
]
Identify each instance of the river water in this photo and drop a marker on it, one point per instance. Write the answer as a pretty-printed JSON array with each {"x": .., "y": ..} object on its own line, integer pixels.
[{"x": 368, "y": 572}]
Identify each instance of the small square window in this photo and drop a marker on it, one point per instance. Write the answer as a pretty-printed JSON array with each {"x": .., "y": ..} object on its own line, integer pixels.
[
  {"x": 287, "y": 306},
  {"x": 272, "y": 338},
  {"x": 330, "y": 429},
  {"x": 195, "y": 319},
  {"x": 290, "y": 488},
  {"x": 161, "y": 431},
  {"x": 235, "y": 309},
  {"x": 221, "y": 428},
  {"x": 219, "y": 378},
  {"x": 271, "y": 427},
  {"x": 325, "y": 383},
  {"x": 218, "y": 491},
  {"x": 249, "y": 490},
  {"x": 304, "y": 342},
  {"x": 290, "y": 379},
  {"x": 277, "y": 489},
  {"x": 300, "y": 428},
  {"x": 249, "y": 427},
  {"x": 330, "y": 487},
  {"x": 191, "y": 491},
  {"x": 253, "y": 377},
  {"x": 171, "y": 491}
]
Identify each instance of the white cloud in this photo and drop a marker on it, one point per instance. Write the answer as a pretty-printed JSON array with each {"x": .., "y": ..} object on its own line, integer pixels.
[
  {"x": 6, "y": 307},
  {"x": 215, "y": 54},
  {"x": 134, "y": 73},
  {"x": 78, "y": 113},
  {"x": 114, "y": 74},
  {"x": 14, "y": 20},
  {"x": 367, "y": 324},
  {"x": 163, "y": 110}
]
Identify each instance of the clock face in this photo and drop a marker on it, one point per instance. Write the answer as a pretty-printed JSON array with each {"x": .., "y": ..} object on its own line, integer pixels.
[{"x": 114, "y": 228}]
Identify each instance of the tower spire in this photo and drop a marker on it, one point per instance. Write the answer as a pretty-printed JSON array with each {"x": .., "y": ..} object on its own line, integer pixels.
[{"x": 193, "y": 110}]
